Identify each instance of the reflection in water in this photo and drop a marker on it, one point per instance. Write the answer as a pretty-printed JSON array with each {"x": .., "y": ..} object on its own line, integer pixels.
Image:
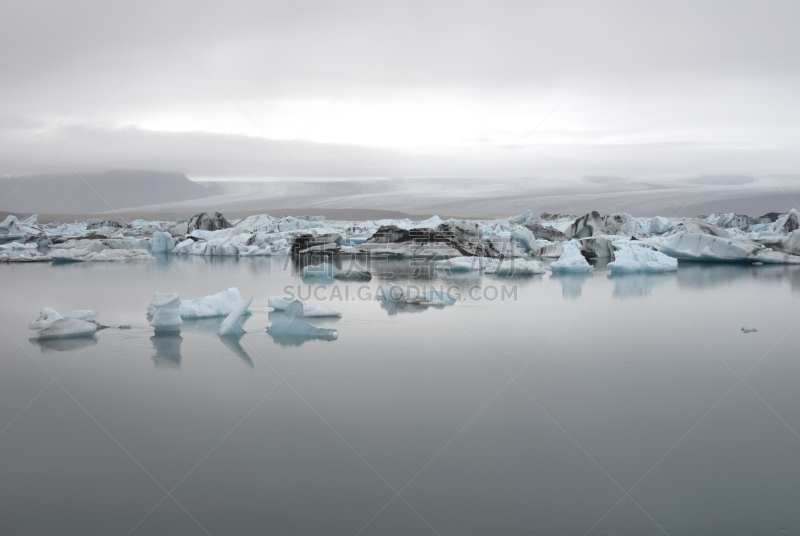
[
  {"x": 696, "y": 275},
  {"x": 168, "y": 349},
  {"x": 632, "y": 285},
  {"x": 571, "y": 284},
  {"x": 394, "y": 307},
  {"x": 233, "y": 344},
  {"x": 63, "y": 345}
]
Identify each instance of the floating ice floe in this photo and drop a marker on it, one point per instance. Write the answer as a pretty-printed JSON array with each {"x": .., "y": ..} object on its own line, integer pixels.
[
  {"x": 222, "y": 303},
  {"x": 231, "y": 326},
  {"x": 634, "y": 256},
  {"x": 48, "y": 316},
  {"x": 280, "y": 303},
  {"x": 707, "y": 247},
  {"x": 67, "y": 327},
  {"x": 571, "y": 259},
  {"x": 511, "y": 267},
  {"x": 167, "y": 315}
]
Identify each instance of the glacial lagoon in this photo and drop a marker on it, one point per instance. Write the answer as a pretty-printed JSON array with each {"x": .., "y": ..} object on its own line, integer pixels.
[{"x": 584, "y": 403}]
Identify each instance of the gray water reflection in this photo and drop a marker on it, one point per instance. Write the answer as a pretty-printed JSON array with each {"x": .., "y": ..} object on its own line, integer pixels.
[
  {"x": 63, "y": 345},
  {"x": 571, "y": 284},
  {"x": 168, "y": 350},
  {"x": 233, "y": 343},
  {"x": 638, "y": 285}
]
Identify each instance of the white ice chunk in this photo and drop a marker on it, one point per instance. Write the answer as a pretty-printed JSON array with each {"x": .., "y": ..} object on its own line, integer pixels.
[
  {"x": 659, "y": 225},
  {"x": 571, "y": 259},
  {"x": 167, "y": 315},
  {"x": 67, "y": 327},
  {"x": 162, "y": 242},
  {"x": 48, "y": 316},
  {"x": 633, "y": 256},
  {"x": 465, "y": 264},
  {"x": 219, "y": 304},
  {"x": 280, "y": 303},
  {"x": 516, "y": 267},
  {"x": 231, "y": 325}
]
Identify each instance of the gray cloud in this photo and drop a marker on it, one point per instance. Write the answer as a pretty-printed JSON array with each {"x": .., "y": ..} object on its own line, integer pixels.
[{"x": 694, "y": 83}]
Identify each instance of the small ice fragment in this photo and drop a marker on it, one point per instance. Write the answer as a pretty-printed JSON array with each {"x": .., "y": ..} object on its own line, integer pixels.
[
  {"x": 280, "y": 303},
  {"x": 167, "y": 315},
  {"x": 67, "y": 327},
  {"x": 231, "y": 325}
]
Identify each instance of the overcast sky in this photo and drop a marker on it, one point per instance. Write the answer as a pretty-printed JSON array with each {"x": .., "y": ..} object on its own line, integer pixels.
[{"x": 500, "y": 88}]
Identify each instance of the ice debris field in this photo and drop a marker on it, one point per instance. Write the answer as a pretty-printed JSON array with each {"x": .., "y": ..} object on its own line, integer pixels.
[
  {"x": 633, "y": 244},
  {"x": 522, "y": 245}
]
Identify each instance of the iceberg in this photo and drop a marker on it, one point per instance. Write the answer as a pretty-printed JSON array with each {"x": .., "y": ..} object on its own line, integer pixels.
[
  {"x": 465, "y": 264},
  {"x": 48, "y": 316},
  {"x": 593, "y": 224},
  {"x": 707, "y": 247},
  {"x": 634, "y": 256},
  {"x": 220, "y": 304},
  {"x": 231, "y": 325},
  {"x": 515, "y": 267},
  {"x": 280, "y": 303},
  {"x": 167, "y": 312},
  {"x": 659, "y": 225},
  {"x": 571, "y": 259},
  {"x": 162, "y": 242},
  {"x": 67, "y": 327}
]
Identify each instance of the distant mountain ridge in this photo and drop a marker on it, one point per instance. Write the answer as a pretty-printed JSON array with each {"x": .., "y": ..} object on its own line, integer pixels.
[{"x": 68, "y": 193}]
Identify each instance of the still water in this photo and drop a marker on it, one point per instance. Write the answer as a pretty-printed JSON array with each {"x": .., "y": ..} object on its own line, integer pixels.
[{"x": 588, "y": 404}]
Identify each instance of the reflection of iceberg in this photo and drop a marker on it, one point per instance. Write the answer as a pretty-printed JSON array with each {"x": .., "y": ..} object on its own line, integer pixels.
[
  {"x": 233, "y": 344},
  {"x": 631, "y": 285},
  {"x": 571, "y": 284},
  {"x": 168, "y": 349},
  {"x": 64, "y": 345},
  {"x": 293, "y": 331}
]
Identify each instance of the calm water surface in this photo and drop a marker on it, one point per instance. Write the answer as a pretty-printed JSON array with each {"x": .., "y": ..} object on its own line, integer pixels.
[{"x": 587, "y": 405}]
